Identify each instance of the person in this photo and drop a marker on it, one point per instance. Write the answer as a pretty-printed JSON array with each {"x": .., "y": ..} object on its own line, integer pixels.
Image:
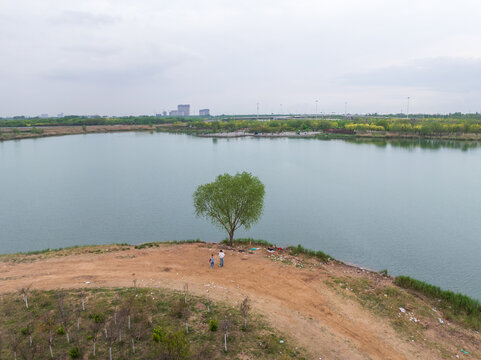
[
  {"x": 221, "y": 257},
  {"x": 211, "y": 260}
]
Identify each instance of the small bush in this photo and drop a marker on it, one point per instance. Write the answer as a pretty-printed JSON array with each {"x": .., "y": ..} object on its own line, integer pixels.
[
  {"x": 213, "y": 324},
  {"x": 98, "y": 318},
  {"x": 157, "y": 335},
  {"x": 384, "y": 272},
  {"x": 60, "y": 331},
  {"x": 24, "y": 331},
  {"x": 172, "y": 345},
  {"x": 74, "y": 353}
]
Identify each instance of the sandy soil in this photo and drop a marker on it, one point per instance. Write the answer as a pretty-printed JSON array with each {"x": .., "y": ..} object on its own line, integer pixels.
[{"x": 296, "y": 301}]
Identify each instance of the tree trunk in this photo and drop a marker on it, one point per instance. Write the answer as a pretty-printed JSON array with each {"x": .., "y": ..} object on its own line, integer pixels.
[
  {"x": 78, "y": 324},
  {"x": 186, "y": 328},
  {"x": 231, "y": 237},
  {"x": 110, "y": 352},
  {"x": 225, "y": 342},
  {"x": 94, "y": 347},
  {"x": 83, "y": 304},
  {"x": 129, "y": 321},
  {"x": 51, "y": 352},
  {"x": 68, "y": 338},
  {"x": 133, "y": 346},
  {"x": 245, "y": 323},
  {"x": 15, "y": 355},
  {"x": 120, "y": 335}
]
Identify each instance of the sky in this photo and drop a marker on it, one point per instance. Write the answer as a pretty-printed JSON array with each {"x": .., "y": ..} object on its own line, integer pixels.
[{"x": 143, "y": 57}]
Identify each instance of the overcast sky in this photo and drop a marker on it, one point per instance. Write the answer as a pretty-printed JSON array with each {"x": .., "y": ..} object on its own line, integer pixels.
[{"x": 123, "y": 57}]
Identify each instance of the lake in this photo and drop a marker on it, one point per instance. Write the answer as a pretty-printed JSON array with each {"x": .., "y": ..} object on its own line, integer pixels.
[{"x": 413, "y": 208}]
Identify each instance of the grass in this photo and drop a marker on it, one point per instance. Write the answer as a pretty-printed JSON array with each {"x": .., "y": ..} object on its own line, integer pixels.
[
  {"x": 106, "y": 312},
  {"x": 456, "y": 304},
  {"x": 320, "y": 255},
  {"x": 249, "y": 242},
  {"x": 83, "y": 249},
  {"x": 174, "y": 242}
]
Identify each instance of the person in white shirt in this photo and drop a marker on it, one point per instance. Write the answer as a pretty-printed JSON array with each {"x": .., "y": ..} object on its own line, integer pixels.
[{"x": 221, "y": 257}]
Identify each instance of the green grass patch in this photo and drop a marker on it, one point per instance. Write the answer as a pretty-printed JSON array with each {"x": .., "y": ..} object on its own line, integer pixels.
[
  {"x": 174, "y": 242},
  {"x": 456, "y": 304},
  {"x": 154, "y": 320},
  {"x": 320, "y": 255},
  {"x": 249, "y": 242}
]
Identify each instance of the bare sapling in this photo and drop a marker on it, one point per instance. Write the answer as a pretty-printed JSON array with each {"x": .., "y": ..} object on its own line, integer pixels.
[
  {"x": 136, "y": 327},
  {"x": 64, "y": 319},
  {"x": 82, "y": 297},
  {"x": 208, "y": 303},
  {"x": 49, "y": 325},
  {"x": 28, "y": 351},
  {"x": 121, "y": 321},
  {"x": 186, "y": 315},
  {"x": 128, "y": 309},
  {"x": 225, "y": 326},
  {"x": 95, "y": 327},
  {"x": 77, "y": 312},
  {"x": 244, "y": 308},
  {"x": 186, "y": 290},
  {"x": 24, "y": 293},
  {"x": 111, "y": 331},
  {"x": 14, "y": 344}
]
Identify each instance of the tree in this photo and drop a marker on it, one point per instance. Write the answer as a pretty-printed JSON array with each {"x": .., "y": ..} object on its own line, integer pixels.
[
  {"x": 231, "y": 201},
  {"x": 244, "y": 308}
]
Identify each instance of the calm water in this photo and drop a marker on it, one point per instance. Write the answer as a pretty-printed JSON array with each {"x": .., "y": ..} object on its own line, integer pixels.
[{"x": 414, "y": 210}]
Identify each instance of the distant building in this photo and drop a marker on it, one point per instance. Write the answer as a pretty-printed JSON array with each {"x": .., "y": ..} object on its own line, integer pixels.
[
  {"x": 204, "y": 112},
  {"x": 60, "y": 115},
  {"x": 44, "y": 115},
  {"x": 183, "y": 110},
  {"x": 164, "y": 113}
]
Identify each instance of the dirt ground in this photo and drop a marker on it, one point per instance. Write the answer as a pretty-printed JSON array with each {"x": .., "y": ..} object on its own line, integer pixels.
[{"x": 296, "y": 301}]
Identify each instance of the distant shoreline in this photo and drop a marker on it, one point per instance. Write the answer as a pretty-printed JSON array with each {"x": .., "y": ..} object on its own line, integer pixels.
[{"x": 9, "y": 133}]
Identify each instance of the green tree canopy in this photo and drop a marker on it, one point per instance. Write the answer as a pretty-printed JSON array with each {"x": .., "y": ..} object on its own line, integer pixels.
[{"x": 231, "y": 201}]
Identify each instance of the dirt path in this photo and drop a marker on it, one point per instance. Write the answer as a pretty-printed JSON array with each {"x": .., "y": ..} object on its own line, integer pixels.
[{"x": 295, "y": 301}]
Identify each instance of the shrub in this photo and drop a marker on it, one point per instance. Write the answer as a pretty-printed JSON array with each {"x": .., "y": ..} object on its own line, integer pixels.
[
  {"x": 98, "y": 318},
  {"x": 213, "y": 324},
  {"x": 74, "y": 353},
  {"x": 158, "y": 335},
  {"x": 383, "y": 272},
  {"x": 60, "y": 331},
  {"x": 172, "y": 345}
]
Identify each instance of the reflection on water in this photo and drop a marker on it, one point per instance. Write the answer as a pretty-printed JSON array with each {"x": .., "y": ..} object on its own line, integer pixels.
[
  {"x": 433, "y": 144},
  {"x": 389, "y": 206}
]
